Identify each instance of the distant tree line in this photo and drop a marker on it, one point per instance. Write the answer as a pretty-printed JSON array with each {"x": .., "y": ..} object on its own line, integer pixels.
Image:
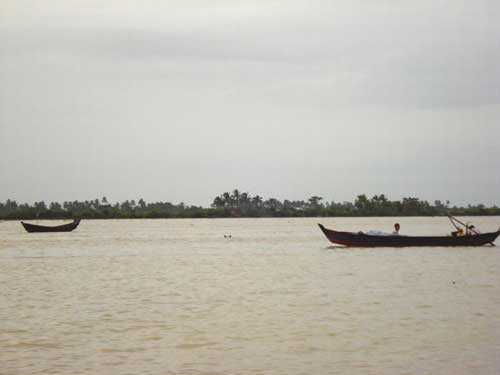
[{"x": 237, "y": 204}]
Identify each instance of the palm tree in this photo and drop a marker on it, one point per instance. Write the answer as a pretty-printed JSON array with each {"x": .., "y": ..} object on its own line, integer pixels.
[
  {"x": 218, "y": 203},
  {"x": 142, "y": 204},
  {"x": 273, "y": 204},
  {"x": 226, "y": 197},
  {"x": 361, "y": 202},
  {"x": 244, "y": 199},
  {"x": 235, "y": 198},
  {"x": 314, "y": 201},
  {"x": 55, "y": 206},
  {"x": 257, "y": 202}
]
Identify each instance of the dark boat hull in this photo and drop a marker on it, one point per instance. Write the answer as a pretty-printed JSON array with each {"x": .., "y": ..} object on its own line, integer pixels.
[
  {"x": 32, "y": 228},
  {"x": 351, "y": 239}
]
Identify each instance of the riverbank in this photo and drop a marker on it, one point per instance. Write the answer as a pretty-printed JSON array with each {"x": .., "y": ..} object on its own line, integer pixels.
[{"x": 239, "y": 204}]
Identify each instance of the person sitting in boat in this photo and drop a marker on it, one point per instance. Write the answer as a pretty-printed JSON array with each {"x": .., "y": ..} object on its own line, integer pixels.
[
  {"x": 471, "y": 230},
  {"x": 458, "y": 233},
  {"x": 396, "y": 229}
]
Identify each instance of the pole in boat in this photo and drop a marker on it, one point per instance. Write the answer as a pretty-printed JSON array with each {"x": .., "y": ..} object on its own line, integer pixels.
[
  {"x": 467, "y": 227},
  {"x": 453, "y": 222}
]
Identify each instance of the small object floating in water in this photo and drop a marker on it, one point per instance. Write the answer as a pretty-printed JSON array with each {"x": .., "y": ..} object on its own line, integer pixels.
[
  {"x": 33, "y": 228},
  {"x": 361, "y": 239},
  {"x": 227, "y": 236}
]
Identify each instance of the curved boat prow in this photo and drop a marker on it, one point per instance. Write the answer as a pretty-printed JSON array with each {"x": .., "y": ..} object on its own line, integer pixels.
[{"x": 323, "y": 229}]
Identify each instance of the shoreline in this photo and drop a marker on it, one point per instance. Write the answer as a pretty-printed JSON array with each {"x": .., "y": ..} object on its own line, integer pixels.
[{"x": 236, "y": 217}]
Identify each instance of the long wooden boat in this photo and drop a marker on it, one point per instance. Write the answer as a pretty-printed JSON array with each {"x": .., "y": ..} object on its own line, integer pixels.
[
  {"x": 361, "y": 239},
  {"x": 59, "y": 228}
]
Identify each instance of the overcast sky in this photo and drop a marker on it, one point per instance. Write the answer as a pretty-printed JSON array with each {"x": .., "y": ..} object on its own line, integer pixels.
[{"x": 182, "y": 100}]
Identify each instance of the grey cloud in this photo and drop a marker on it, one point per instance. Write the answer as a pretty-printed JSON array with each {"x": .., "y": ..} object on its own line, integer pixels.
[{"x": 280, "y": 98}]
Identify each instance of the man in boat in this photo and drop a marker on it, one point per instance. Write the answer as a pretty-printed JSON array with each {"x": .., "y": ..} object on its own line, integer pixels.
[
  {"x": 396, "y": 229},
  {"x": 471, "y": 230}
]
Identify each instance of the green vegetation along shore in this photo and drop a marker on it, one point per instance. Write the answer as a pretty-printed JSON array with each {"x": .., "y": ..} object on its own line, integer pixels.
[{"x": 237, "y": 204}]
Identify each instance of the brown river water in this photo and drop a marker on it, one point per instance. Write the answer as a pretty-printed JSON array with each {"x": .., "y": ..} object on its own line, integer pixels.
[{"x": 176, "y": 297}]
